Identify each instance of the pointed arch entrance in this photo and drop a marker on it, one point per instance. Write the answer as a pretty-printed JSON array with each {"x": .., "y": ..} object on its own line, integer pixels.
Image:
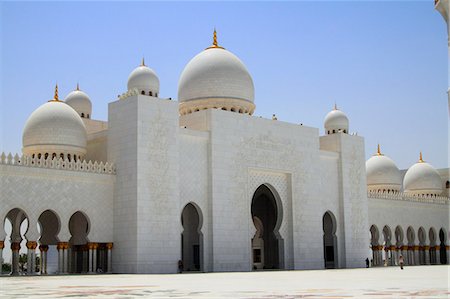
[
  {"x": 18, "y": 221},
  {"x": 329, "y": 240},
  {"x": 267, "y": 244},
  {"x": 442, "y": 247},
  {"x": 49, "y": 226},
  {"x": 191, "y": 238},
  {"x": 79, "y": 230}
]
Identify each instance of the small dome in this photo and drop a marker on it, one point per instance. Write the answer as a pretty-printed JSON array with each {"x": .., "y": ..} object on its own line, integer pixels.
[
  {"x": 54, "y": 129},
  {"x": 216, "y": 78},
  {"x": 336, "y": 121},
  {"x": 382, "y": 174},
  {"x": 80, "y": 102},
  {"x": 422, "y": 179},
  {"x": 145, "y": 80}
]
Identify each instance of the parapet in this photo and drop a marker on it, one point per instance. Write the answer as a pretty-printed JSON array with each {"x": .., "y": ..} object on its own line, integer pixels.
[{"x": 82, "y": 166}]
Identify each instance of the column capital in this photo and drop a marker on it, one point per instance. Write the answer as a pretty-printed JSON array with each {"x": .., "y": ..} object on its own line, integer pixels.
[
  {"x": 109, "y": 245},
  {"x": 92, "y": 246},
  {"x": 15, "y": 246},
  {"x": 447, "y": 248},
  {"x": 426, "y": 247},
  {"x": 416, "y": 247},
  {"x": 31, "y": 245},
  {"x": 2, "y": 244},
  {"x": 62, "y": 245},
  {"x": 437, "y": 247},
  {"x": 43, "y": 248}
]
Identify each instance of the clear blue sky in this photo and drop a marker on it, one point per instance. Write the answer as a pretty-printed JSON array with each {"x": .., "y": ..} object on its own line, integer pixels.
[{"x": 384, "y": 63}]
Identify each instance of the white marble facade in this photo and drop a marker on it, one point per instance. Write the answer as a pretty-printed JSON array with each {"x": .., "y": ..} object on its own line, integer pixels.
[{"x": 202, "y": 185}]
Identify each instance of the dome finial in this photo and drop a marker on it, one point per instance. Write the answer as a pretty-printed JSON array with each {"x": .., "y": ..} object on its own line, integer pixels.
[
  {"x": 143, "y": 61},
  {"x": 420, "y": 158},
  {"x": 78, "y": 86},
  {"x": 335, "y": 106},
  {"x": 55, "y": 97},
  {"x": 378, "y": 150},
  {"x": 215, "y": 38},
  {"x": 215, "y": 44}
]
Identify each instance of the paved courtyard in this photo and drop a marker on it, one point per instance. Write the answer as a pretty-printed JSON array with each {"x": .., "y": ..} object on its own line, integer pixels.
[{"x": 391, "y": 282}]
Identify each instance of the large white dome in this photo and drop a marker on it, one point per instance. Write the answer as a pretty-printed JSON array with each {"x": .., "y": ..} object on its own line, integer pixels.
[
  {"x": 216, "y": 78},
  {"x": 336, "y": 121},
  {"x": 422, "y": 179},
  {"x": 54, "y": 129},
  {"x": 80, "y": 102},
  {"x": 145, "y": 80},
  {"x": 382, "y": 174}
]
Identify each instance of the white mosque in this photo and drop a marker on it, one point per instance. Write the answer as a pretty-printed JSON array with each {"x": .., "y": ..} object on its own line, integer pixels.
[{"x": 200, "y": 184}]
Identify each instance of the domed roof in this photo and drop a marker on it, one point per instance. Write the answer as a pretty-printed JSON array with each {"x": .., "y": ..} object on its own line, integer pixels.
[
  {"x": 422, "y": 179},
  {"x": 144, "y": 79},
  {"x": 336, "y": 120},
  {"x": 216, "y": 74},
  {"x": 54, "y": 127},
  {"x": 382, "y": 173},
  {"x": 80, "y": 102}
]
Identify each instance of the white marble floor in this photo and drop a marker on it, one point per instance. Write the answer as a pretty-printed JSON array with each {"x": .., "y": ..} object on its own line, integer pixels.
[{"x": 389, "y": 282}]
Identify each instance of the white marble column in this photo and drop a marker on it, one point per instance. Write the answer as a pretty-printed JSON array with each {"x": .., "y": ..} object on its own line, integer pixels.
[
  {"x": 15, "y": 247},
  {"x": 427, "y": 255},
  {"x": 2, "y": 245},
  {"x": 109, "y": 247},
  {"x": 416, "y": 255},
  {"x": 90, "y": 258},
  {"x": 66, "y": 259},
  {"x": 31, "y": 257},
  {"x": 94, "y": 257},
  {"x": 43, "y": 249},
  {"x": 60, "y": 257},
  {"x": 438, "y": 254},
  {"x": 447, "y": 249}
]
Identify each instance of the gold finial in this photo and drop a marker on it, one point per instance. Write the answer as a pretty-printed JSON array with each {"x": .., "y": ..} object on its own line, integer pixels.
[
  {"x": 78, "y": 86},
  {"x": 379, "y": 150},
  {"x": 143, "y": 62},
  {"x": 215, "y": 38},
  {"x": 420, "y": 158},
  {"x": 215, "y": 43},
  {"x": 55, "y": 97}
]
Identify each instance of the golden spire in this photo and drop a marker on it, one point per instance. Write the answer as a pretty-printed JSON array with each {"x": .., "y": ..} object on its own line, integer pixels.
[
  {"x": 215, "y": 38},
  {"x": 379, "y": 151},
  {"x": 215, "y": 43},
  {"x": 420, "y": 158},
  {"x": 143, "y": 61},
  {"x": 55, "y": 97},
  {"x": 78, "y": 86}
]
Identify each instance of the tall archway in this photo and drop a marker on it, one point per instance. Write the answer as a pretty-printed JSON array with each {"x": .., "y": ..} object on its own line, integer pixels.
[
  {"x": 422, "y": 239},
  {"x": 432, "y": 236},
  {"x": 18, "y": 220},
  {"x": 329, "y": 240},
  {"x": 398, "y": 242},
  {"x": 442, "y": 249},
  {"x": 411, "y": 239},
  {"x": 374, "y": 242},
  {"x": 191, "y": 238},
  {"x": 49, "y": 226},
  {"x": 79, "y": 230},
  {"x": 387, "y": 245},
  {"x": 267, "y": 247}
]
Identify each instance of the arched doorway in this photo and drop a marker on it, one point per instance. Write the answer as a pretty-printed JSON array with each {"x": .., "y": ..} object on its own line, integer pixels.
[
  {"x": 267, "y": 242},
  {"x": 432, "y": 236},
  {"x": 16, "y": 224},
  {"x": 411, "y": 260},
  {"x": 387, "y": 245},
  {"x": 442, "y": 249},
  {"x": 422, "y": 238},
  {"x": 79, "y": 230},
  {"x": 191, "y": 239},
  {"x": 374, "y": 242},
  {"x": 49, "y": 226},
  {"x": 329, "y": 240},
  {"x": 398, "y": 243}
]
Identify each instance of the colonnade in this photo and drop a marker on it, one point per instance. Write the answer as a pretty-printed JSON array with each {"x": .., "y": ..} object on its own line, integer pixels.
[{"x": 412, "y": 255}]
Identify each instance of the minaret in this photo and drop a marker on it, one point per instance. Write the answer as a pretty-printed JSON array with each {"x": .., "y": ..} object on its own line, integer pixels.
[{"x": 443, "y": 6}]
